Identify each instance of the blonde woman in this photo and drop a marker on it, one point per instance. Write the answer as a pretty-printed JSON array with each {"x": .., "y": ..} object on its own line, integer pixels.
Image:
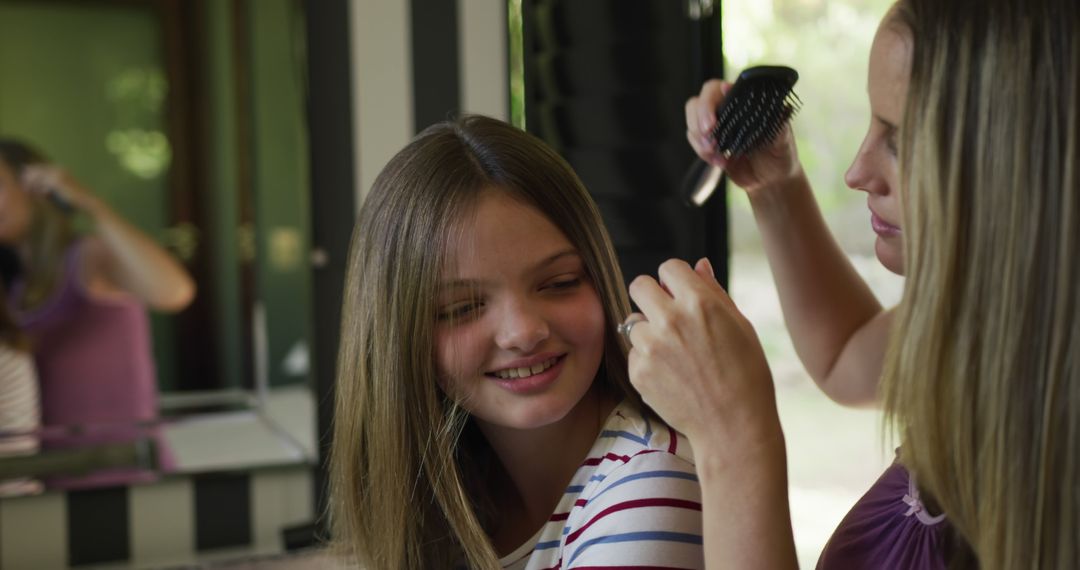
[
  {"x": 484, "y": 418},
  {"x": 982, "y": 379},
  {"x": 839, "y": 330},
  {"x": 81, "y": 301}
]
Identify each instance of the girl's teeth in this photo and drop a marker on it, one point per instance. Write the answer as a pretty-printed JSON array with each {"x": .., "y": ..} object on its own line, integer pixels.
[{"x": 525, "y": 372}]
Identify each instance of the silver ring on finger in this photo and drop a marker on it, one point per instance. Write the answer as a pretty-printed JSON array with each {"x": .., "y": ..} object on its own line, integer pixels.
[{"x": 625, "y": 328}]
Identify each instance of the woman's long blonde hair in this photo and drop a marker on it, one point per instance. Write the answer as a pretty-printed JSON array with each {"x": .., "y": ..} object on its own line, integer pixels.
[
  {"x": 983, "y": 374},
  {"x": 404, "y": 463}
]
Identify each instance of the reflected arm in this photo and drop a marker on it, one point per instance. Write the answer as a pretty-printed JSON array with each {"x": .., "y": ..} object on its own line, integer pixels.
[{"x": 129, "y": 260}]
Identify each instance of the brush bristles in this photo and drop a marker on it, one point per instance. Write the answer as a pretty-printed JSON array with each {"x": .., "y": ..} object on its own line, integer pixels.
[{"x": 754, "y": 115}]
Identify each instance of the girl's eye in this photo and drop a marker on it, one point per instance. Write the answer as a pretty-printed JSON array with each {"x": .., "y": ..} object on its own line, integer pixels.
[
  {"x": 563, "y": 284},
  {"x": 459, "y": 311}
]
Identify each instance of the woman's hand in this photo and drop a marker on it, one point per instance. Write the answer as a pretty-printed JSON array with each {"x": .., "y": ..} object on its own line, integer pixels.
[
  {"x": 773, "y": 164},
  {"x": 52, "y": 180},
  {"x": 697, "y": 361},
  {"x": 119, "y": 256}
]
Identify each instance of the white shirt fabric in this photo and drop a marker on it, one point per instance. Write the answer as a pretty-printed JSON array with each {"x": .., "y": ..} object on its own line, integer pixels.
[{"x": 635, "y": 501}]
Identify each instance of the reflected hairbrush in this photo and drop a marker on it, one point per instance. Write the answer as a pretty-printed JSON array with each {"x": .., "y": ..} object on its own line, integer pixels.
[{"x": 752, "y": 115}]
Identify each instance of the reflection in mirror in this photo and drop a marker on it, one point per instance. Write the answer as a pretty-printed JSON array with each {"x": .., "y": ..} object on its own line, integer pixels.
[{"x": 154, "y": 215}]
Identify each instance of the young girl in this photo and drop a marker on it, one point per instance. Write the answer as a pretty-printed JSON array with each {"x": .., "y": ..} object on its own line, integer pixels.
[{"x": 484, "y": 417}]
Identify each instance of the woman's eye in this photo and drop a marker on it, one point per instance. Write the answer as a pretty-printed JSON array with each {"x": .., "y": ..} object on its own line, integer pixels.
[{"x": 459, "y": 311}]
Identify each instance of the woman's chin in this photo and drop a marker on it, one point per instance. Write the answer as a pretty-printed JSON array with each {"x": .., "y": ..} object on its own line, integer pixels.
[{"x": 890, "y": 252}]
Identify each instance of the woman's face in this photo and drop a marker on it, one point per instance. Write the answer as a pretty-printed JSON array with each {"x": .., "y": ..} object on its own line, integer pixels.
[
  {"x": 14, "y": 206},
  {"x": 520, "y": 331},
  {"x": 875, "y": 169}
]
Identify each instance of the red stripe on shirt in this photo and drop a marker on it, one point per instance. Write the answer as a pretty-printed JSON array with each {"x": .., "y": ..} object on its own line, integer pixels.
[
  {"x": 608, "y": 456},
  {"x": 635, "y": 504}
]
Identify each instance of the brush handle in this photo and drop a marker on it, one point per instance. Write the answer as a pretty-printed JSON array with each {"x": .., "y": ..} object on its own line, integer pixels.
[{"x": 700, "y": 182}]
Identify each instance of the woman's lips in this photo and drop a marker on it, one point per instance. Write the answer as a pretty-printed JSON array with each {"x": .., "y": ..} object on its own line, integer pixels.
[{"x": 881, "y": 227}]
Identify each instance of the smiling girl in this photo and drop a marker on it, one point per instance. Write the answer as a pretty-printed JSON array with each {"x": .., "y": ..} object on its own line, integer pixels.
[{"x": 484, "y": 417}]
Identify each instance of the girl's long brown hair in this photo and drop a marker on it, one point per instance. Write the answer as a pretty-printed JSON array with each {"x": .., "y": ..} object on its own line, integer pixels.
[{"x": 404, "y": 490}]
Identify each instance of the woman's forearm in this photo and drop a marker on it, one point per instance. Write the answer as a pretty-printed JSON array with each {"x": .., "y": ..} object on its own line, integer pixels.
[
  {"x": 747, "y": 521},
  {"x": 826, "y": 303}
]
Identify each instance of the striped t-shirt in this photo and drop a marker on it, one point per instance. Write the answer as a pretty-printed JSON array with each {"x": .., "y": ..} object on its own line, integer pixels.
[
  {"x": 20, "y": 408},
  {"x": 635, "y": 501}
]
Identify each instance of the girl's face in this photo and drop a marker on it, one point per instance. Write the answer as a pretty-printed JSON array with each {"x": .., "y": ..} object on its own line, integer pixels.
[
  {"x": 14, "y": 206},
  {"x": 520, "y": 331},
  {"x": 875, "y": 169}
]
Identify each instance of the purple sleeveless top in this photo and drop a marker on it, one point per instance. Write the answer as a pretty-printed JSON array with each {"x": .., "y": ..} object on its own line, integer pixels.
[
  {"x": 889, "y": 527},
  {"x": 95, "y": 365}
]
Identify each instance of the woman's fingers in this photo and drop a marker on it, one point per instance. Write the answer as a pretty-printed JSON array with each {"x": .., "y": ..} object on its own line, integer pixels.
[
  {"x": 691, "y": 287},
  {"x": 650, "y": 297},
  {"x": 701, "y": 118},
  {"x": 700, "y": 138},
  {"x": 712, "y": 94},
  {"x": 37, "y": 178},
  {"x": 53, "y": 180},
  {"x": 633, "y": 321}
]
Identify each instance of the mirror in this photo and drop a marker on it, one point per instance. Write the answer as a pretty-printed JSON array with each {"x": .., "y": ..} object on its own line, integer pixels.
[{"x": 187, "y": 118}]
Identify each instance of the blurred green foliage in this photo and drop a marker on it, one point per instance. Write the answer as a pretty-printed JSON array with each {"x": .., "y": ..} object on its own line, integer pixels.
[
  {"x": 828, "y": 42},
  {"x": 517, "y": 71}
]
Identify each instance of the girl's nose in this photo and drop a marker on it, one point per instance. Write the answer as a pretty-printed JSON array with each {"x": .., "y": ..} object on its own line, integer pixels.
[{"x": 521, "y": 329}]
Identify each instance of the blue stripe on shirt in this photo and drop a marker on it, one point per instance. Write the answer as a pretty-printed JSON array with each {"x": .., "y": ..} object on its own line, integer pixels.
[
  {"x": 637, "y": 536},
  {"x": 626, "y": 435},
  {"x": 647, "y": 475}
]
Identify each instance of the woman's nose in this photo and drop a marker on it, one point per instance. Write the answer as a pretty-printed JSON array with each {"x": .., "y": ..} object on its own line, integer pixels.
[
  {"x": 856, "y": 175},
  {"x": 865, "y": 171},
  {"x": 522, "y": 328}
]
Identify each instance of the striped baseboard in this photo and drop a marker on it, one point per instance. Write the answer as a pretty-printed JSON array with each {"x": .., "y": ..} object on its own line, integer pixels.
[{"x": 179, "y": 521}]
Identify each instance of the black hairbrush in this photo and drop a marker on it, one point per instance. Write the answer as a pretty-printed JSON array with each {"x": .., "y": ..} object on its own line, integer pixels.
[{"x": 753, "y": 113}]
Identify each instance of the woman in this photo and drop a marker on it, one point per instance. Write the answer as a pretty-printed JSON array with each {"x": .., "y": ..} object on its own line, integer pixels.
[
  {"x": 81, "y": 300},
  {"x": 484, "y": 418},
  {"x": 981, "y": 378},
  {"x": 838, "y": 328}
]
